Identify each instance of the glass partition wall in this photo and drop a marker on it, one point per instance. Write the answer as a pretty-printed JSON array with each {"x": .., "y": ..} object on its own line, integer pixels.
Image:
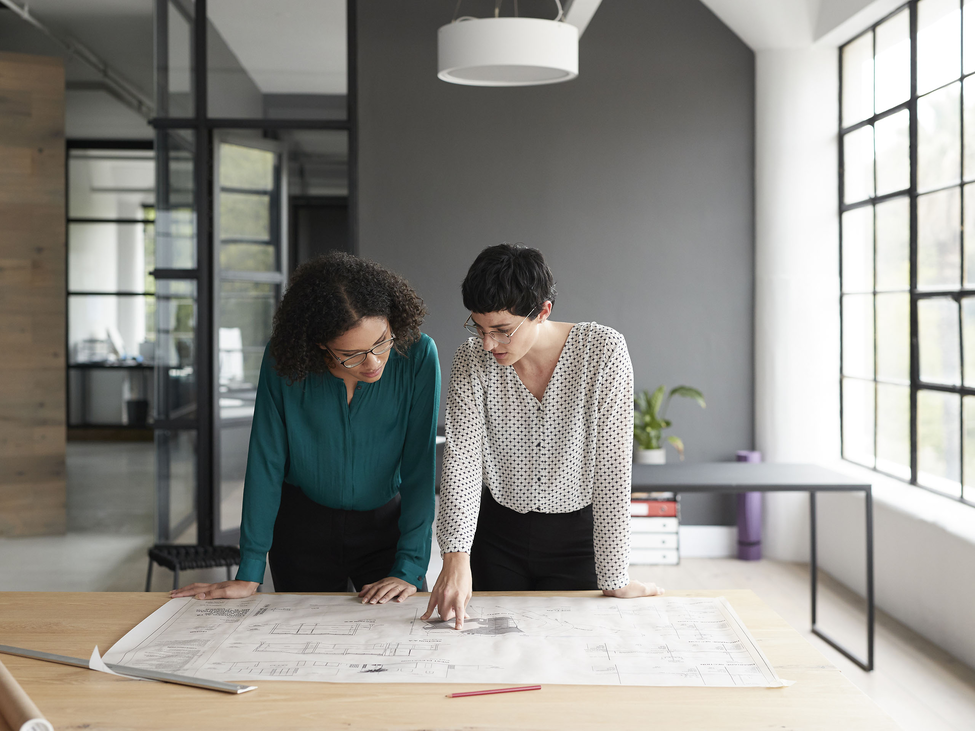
[{"x": 255, "y": 126}]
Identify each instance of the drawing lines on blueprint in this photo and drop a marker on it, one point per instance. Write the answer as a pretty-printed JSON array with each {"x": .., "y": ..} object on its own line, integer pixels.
[
  {"x": 383, "y": 649},
  {"x": 517, "y": 640},
  {"x": 304, "y": 669},
  {"x": 314, "y": 628},
  {"x": 486, "y": 626},
  {"x": 493, "y": 620}
]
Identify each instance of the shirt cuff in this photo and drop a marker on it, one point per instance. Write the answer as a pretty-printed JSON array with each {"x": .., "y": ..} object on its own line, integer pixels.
[
  {"x": 618, "y": 581},
  {"x": 251, "y": 569},
  {"x": 456, "y": 547},
  {"x": 408, "y": 571}
]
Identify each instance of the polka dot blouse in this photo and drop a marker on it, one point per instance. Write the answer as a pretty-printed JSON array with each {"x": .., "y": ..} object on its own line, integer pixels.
[{"x": 572, "y": 449}]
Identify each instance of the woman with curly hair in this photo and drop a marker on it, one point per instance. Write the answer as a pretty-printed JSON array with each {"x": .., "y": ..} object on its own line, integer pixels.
[{"x": 341, "y": 464}]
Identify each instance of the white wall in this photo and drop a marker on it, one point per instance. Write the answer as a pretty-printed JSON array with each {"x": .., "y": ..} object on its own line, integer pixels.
[{"x": 796, "y": 277}]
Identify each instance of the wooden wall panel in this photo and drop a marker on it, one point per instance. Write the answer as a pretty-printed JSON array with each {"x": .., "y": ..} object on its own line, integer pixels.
[{"x": 32, "y": 296}]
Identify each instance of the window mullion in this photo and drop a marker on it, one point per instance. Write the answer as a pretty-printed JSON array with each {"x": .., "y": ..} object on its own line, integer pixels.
[{"x": 914, "y": 351}]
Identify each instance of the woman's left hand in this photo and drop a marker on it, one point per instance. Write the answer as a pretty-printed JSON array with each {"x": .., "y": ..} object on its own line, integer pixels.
[
  {"x": 634, "y": 589},
  {"x": 385, "y": 589}
]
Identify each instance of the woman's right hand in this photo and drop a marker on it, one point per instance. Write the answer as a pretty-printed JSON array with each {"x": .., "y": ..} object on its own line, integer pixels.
[
  {"x": 453, "y": 589},
  {"x": 222, "y": 590}
]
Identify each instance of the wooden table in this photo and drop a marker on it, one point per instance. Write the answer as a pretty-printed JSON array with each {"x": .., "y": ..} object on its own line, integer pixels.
[
  {"x": 73, "y": 698},
  {"x": 738, "y": 477}
]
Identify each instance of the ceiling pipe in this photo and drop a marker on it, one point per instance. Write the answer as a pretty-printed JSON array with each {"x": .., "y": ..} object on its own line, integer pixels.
[{"x": 119, "y": 87}]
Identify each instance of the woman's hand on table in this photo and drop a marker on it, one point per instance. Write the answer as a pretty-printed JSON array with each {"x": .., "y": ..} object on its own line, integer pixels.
[
  {"x": 380, "y": 592},
  {"x": 634, "y": 589},
  {"x": 452, "y": 591},
  {"x": 222, "y": 590}
]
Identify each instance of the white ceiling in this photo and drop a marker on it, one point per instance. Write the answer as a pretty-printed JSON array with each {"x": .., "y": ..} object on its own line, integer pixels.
[
  {"x": 781, "y": 24},
  {"x": 63, "y": 8},
  {"x": 287, "y": 46},
  {"x": 304, "y": 52},
  {"x": 119, "y": 31},
  {"x": 766, "y": 24}
]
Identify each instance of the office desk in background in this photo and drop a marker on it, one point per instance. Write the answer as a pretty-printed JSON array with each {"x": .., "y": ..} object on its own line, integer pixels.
[
  {"x": 735, "y": 477},
  {"x": 72, "y": 624}
]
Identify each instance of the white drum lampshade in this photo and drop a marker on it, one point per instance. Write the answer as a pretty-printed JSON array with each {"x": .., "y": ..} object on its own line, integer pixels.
[{"x": 507, "y": 52}]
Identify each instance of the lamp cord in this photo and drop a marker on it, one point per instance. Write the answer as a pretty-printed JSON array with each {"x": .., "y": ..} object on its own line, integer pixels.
[{"x": 497, "y": 11}]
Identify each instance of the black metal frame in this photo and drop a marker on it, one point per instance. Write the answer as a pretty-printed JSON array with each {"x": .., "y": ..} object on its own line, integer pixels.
[
  {"x": 89, "y": 144},
  {"x": 911, "y": 193},
  {"x": 813, "y": 579},
  {"x": 203, "y": 127}
]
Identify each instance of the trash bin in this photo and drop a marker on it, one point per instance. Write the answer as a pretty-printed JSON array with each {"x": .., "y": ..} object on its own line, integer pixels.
[{"x": 749, "y": 516}]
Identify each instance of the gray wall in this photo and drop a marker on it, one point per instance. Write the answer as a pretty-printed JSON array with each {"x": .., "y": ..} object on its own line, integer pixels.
[{"x": 635, "y": 180}]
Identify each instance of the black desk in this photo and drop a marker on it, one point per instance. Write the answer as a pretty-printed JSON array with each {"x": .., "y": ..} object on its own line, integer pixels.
[{"x": 735, "y": 477}]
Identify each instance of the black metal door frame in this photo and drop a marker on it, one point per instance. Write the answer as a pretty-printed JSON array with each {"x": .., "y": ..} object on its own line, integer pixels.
[{"x": 203, "y": 126}]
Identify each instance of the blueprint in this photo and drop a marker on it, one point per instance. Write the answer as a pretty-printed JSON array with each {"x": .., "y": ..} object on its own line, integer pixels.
[{"x": 562, "y": 640}]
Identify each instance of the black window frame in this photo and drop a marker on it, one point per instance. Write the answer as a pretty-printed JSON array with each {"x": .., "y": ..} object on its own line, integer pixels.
[
  {"x": 70, "y": 366},
  {"x": 915, "y": 295}
]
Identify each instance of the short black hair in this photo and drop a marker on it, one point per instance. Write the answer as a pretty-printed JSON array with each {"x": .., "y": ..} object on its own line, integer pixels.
[
  {"x": 505, "y": 277},
  {"x": 327, "y": 297}
]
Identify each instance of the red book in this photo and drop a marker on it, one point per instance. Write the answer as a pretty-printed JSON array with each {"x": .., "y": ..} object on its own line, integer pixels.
[{"x": 653, "y": 508}]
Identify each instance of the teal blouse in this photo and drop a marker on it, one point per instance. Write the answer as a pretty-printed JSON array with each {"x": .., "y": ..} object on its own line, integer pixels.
[{"x": 351, "y": 456}]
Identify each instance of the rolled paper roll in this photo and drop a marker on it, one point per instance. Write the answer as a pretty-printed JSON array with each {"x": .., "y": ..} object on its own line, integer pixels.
[{"x": 17, "y": 709}]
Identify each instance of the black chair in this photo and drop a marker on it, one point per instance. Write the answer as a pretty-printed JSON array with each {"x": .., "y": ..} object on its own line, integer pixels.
[{"x": 180, "y": 558}]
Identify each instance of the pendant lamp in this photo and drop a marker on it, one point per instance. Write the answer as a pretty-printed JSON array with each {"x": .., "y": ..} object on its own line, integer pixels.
[{"x": 508, "y": 51}]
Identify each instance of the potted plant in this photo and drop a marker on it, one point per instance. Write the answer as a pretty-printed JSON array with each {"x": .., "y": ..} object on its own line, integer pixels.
[{"x": 649, "y": 421}]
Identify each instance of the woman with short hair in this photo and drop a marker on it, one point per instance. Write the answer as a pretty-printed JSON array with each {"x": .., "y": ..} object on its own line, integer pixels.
[
  {"x": 340, "y": 473},
  {"x": 536, "y": 481}
]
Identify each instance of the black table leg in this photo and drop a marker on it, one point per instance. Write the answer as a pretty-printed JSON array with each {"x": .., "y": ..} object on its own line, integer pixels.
[
  {"x": 813, "y": 563},
  {"x": 868, "y": 507}
]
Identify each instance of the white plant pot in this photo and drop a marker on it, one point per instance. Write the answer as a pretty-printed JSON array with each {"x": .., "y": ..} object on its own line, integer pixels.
[{"x": 649, "y": 456}]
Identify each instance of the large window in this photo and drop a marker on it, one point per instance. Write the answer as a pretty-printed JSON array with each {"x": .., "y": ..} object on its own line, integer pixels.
[
  {"x": 111, "y": 292},
  {"x": 907, "y": 202}
]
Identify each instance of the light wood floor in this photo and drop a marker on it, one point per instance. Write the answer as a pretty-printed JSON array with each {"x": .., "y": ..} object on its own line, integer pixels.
[{"x": 919, "y": 685}]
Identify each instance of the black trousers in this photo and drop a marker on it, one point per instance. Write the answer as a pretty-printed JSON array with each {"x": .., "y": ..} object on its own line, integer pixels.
[
  {"x": 532, "y": 551},
  {"x": 315, "y": 548}
]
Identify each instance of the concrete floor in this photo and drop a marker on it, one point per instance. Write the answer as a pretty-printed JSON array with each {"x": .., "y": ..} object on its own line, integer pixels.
[
  {"x": 110, "y": 518},
  {"x": 111, "y": 511}
]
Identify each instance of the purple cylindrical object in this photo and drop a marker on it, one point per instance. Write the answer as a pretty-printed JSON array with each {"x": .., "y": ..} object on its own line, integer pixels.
[{"x": 749, "y": 515}]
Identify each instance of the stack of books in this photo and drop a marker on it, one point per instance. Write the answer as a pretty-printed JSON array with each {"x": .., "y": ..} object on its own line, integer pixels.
[{"x": 654, "y": 524}]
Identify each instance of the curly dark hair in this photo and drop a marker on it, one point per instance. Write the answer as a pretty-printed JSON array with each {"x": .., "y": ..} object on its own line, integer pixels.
[{"x": 326, "y": 297}]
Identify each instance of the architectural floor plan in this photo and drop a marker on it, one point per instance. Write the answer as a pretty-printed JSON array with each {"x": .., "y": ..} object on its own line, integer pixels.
[{"x": 590, "y": 641}]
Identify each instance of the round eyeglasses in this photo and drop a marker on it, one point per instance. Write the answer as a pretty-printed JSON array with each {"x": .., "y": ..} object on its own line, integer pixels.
[
  {"x": 497, "y": 335},
  {"x": 358, "y": 359}
]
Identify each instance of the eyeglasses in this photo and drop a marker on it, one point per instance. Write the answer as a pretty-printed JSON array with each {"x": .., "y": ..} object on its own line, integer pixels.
[
  {"x": 359, "y": 358},
  {"x": 497, "y": 335}
]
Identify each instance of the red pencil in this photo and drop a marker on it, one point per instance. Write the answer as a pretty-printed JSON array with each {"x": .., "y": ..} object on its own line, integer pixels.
[{"x": 496, "y": 690}]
